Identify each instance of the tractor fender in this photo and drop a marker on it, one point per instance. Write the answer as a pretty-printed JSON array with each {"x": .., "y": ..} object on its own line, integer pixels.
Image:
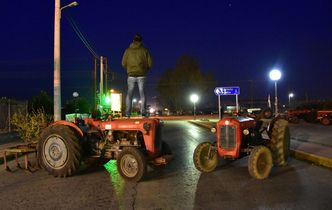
[{"x": 70, "y": 124}]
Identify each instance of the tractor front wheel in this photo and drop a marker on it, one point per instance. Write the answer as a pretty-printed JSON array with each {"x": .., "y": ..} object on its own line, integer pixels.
[
  {"x": 59, "y": 150},
  {"x": 131, "y": 164},
  {"x": 205, "y": 157},
  {"x": 280, "y": 142},
  {"x": 325, "y": 121},
  {"x": 260, "y": 162}
]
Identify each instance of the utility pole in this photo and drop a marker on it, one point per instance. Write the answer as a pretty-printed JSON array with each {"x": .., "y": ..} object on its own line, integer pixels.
[
  {"x": 57, "y": 79},
  {"x": 101, "y": 82},
  {"x": 95, "y": 84},
  {"x": 106, "y": 73}
]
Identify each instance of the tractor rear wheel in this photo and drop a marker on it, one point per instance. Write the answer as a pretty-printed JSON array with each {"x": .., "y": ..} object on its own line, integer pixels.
[
  {"x": 131, "y": 164},
  {"x": 325, "y": 121},
  {"x": 260, "y": 162},
  {"x": 280, "y": 142},
  {"x": 205, "y": 157},
  {"x": 59, "y": 150}
]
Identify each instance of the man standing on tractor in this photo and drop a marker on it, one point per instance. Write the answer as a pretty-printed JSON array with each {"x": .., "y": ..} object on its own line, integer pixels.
[{"x": 137, "y": 61}]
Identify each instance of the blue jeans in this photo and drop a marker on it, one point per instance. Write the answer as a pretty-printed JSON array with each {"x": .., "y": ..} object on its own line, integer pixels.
[{"x": 131, "y": 85}]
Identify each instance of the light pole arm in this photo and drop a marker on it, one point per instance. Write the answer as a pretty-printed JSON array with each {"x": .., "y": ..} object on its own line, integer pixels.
[{"x": 73, "y": 4}]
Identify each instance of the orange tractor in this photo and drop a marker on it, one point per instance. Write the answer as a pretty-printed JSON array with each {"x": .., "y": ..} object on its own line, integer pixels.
[
  {"x": 265, "y": 141},
  {"x": 132, "y": 142},
  {"x": 324, "y": 116}
]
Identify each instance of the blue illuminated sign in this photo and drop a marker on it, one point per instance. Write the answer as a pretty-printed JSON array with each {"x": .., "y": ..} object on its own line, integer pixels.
[{"x": 224, "y": 91}]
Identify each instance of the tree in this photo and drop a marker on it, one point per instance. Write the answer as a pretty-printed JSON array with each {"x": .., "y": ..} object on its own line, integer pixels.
[
  {"x": 42, "y": 101},
  {"x": 30, "y": 125},
  {"x": 175, "y": 85},
  {"x": 77, "y": 104}
]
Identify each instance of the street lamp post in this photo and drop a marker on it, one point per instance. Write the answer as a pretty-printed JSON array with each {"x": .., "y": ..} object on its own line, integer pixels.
[
  {"x": 290, "y": 95},
  {"x": 57, "y": 77},
  {"x": 275, "y": 75},
  {"x": 75, "y": 95},
  {"x": 194, "y": 99}
]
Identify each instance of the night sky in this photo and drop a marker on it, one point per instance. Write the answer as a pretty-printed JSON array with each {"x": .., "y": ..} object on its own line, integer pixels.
[{"x": 239, "y": 41}]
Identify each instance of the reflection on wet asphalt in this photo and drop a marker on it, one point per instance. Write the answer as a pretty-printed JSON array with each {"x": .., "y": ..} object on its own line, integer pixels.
[
  {"x": 174, "y": 186},
  {"x": 170, "y": 186}
]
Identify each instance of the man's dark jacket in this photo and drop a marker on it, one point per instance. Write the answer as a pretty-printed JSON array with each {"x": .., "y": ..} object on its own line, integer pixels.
[{"x": 136, "y": 60}]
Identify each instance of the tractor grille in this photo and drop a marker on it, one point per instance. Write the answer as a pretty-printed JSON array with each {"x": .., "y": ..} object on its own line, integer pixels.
[{"x": 227, "y": 137}]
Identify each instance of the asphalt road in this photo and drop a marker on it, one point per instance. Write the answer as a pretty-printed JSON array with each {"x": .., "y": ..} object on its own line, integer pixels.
[
  {"x": 177, "y": 186},
  {"x": 312, "y": 132}
]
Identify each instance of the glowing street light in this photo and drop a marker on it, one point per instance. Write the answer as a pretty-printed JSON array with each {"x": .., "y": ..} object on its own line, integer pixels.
[
  {"x": 75, "y": 94},
  {"x": 194, "y": 99},
  {"x": 57, "y": 78},
  {"x": 290, "y": 95},
  {"x": 275, "y": 75},
  {"x": 73, "y": 4}
]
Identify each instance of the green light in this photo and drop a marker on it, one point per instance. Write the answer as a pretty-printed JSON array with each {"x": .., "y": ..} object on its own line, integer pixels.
[
  {"x": 117, "y": 181},
  {"x": 108, "y": 100},
  {"x": 110, "y": 166}
]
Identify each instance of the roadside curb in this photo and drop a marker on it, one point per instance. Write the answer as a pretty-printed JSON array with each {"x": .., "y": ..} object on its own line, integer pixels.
[
  {"x": 297, "y": 154},
  {"x": 315, "y": 159}
]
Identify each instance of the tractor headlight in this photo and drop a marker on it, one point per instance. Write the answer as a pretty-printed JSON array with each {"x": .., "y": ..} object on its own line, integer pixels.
[
  {"x": 227, "y": 122},
  {"x": 246, "y": 132},
  {"x": 213, "y": 130}
]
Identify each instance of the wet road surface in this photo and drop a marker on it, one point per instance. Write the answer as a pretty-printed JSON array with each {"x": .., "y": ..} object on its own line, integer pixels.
[{"x": 177, "y": 186}]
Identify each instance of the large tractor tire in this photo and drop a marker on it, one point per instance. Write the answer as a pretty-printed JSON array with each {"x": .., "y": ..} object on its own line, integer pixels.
[
  {"x": 131, "y": 164},
  {"x": 205, "y": 157},
  {"x": 59, "y": 150},
  {"x": 260, "y": 162},
  {"x": 325, "y": 121},
  {"x": 280, "y": 142}
]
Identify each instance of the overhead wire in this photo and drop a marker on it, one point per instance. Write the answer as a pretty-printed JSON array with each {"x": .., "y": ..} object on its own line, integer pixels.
[{"x": 81, "y": 35}]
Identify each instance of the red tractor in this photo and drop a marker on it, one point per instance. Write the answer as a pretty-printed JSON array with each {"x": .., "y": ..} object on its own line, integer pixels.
[
  {"x": 266, "y": 142},
  {"x": 324, "y": 116},
  {"x": 132, "y": 142}
]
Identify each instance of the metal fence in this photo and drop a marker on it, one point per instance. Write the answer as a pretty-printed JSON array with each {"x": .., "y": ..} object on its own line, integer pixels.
[{"x": 8, "y": 107}]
